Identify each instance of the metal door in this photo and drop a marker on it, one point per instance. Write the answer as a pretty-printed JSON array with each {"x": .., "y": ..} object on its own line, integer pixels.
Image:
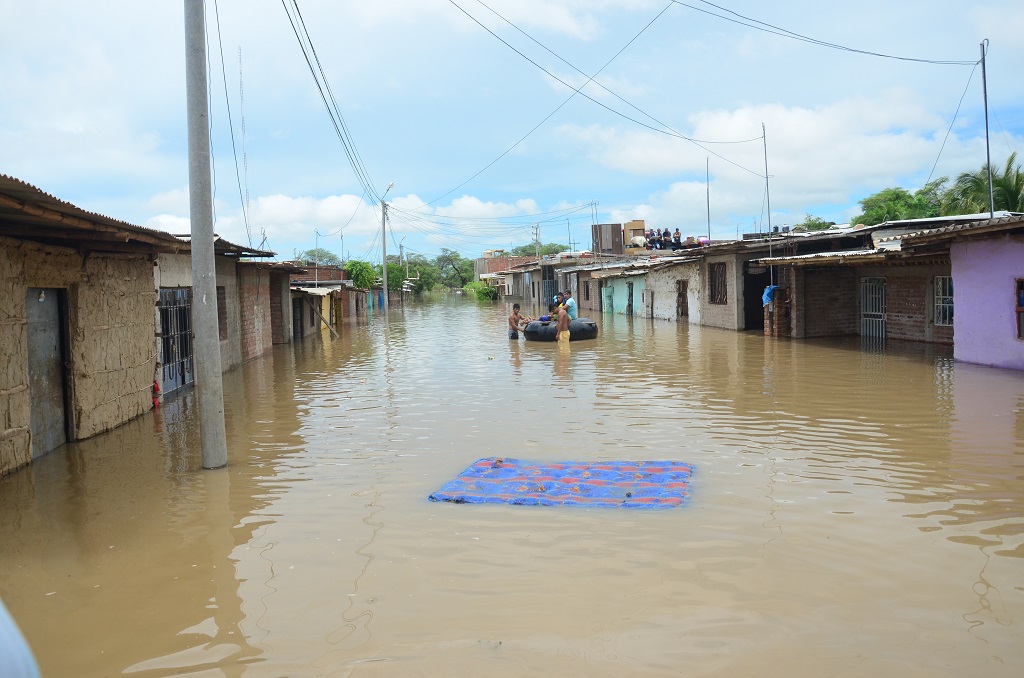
[
  {"x": 872, "y": 307},
  {"x": 176, "y": 338},
  {"x": 629, "y": 298},
  {"x": 45, "y": 369}
]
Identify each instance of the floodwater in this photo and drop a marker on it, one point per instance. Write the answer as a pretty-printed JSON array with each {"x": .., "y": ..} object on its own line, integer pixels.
[{"x": 853, "y": 513}]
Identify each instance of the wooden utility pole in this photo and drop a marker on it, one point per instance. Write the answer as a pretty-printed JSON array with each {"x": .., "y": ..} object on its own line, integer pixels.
[{"x": 206, "y": 344}]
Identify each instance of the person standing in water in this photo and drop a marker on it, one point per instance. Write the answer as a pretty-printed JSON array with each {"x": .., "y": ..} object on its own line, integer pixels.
[
  {"x": 516, "y": 322},
  {"x": 562, "y": 328}
]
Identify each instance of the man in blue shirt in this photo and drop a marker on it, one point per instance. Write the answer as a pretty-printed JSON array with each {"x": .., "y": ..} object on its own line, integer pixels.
[{"x": 570, "y": 305}]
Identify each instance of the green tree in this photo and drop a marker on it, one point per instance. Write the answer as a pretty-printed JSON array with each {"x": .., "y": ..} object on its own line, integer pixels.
[
  {"x": 423, "y": 273},
  {"x": 455, "y": 270},
  {"x": 396, "y": 275},
  {"x": 531, "y": 249},
  {"x": 969, "y": 194},
  {"x": 320, "y": 257},
  {"x": 892, "y": 204},
  {"x": 811, "y": 223},
  {"x": 362, "y": 274}
]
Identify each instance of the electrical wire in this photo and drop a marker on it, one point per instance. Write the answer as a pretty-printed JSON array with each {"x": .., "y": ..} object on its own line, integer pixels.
[
  {"x": 578, "y": 90},
  {"x": 951, "y": 123},
  {"x": 782, "y": 32},
  {"x": 337, "y": 119},
  {"x": 634, "y": 107},
  {"x": 231, "y": 125}
]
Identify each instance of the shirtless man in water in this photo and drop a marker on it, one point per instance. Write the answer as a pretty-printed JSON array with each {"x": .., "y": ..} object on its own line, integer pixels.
[
  {"x": 562, "y": 328},
  {"x": 516, "y": 322}
]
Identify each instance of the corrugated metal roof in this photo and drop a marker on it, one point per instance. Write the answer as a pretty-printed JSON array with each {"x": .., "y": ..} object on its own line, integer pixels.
[
  {"x": 1012, "y": 220},
  {"x": 29, "y": 213},
  {"x": 823, "y": 257}
]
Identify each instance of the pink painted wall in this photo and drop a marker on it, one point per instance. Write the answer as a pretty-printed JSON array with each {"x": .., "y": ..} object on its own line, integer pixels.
[{"x": 984, "y": 326}]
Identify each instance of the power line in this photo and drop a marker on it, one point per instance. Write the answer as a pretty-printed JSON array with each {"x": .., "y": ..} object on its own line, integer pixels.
[
  {"x": 951, "y": 123},
  {"x": 782, "y": 32},
  {"x": 578, "y": 90},
  {"x": 337, "y": 119}
]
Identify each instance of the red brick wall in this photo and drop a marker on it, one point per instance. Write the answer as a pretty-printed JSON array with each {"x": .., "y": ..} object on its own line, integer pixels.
[
  {"x": 909, "y": 293},
  {"x": 830, "y": 301},
  {"x": 255, "y": 311}
]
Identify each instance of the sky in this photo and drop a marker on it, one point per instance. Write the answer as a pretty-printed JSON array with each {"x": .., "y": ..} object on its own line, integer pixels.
[{"x": 499, "y": 119}]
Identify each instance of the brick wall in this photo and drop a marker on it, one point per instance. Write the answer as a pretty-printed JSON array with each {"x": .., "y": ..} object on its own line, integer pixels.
[
  {"x": 255, "y": 311},
  {"x": 829, "y": 301},
  {"x": 909, "y": 303}
]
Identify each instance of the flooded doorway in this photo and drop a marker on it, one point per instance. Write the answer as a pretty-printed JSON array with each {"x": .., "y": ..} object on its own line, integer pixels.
[
  {"x": 682, "y": 303},
  {"x": 629, "y": 298},
  {"x": 756, "y": 278},
  {"x": 47, "y": 338},
  {"x": 872, "y": 305}
]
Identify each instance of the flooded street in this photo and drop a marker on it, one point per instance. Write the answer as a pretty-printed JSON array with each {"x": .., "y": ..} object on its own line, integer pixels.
[{"x": 852, "y": 513}]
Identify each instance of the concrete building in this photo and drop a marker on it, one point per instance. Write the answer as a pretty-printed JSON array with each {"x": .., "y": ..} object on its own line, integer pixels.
[
  {"x": 986, "y": 287},
  {"x": 890, "y": 287}
]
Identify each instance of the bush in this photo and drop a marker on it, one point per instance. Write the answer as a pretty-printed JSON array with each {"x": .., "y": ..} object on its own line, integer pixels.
[{"x": 483, "y": 292}]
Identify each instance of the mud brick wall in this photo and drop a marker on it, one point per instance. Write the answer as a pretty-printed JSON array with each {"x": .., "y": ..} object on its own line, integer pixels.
[
  {"x": 255, "y": 311},
  {"x": 110, "y": 325},
  {"x": 112, "y": 348}
]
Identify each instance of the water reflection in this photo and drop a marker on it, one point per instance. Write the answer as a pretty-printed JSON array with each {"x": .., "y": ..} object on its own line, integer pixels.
[{"x": 830, "y": 483}]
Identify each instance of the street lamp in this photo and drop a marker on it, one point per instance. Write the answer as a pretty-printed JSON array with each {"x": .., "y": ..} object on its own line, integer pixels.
[{"x": 384, "y": 245}]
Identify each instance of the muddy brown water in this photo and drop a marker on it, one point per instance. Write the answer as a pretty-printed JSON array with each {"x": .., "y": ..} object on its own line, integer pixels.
[{"x": 854, "y": 512}]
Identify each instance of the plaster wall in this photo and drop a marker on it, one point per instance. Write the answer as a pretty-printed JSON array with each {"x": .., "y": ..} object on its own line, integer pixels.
[
  {"x": 616, "y": 294},
  {"x": 662, "y": 284},
  {"x": 110, "y": 327},
  {"x": 984, "y": 274},
  {"x": 728, "y": 315},
  {"x": 175, "y": 270}
]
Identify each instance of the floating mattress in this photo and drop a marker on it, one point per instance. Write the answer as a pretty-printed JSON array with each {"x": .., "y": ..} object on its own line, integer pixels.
[{"x": 619, "y": 484}]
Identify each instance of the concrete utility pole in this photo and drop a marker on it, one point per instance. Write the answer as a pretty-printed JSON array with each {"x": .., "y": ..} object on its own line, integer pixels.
[
  {"x": 206, "y": 344},
  {"x": 384, "y": 245}
]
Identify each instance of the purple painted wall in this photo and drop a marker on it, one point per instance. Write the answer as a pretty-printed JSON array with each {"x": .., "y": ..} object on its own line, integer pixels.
[{"x": 984, "y": 326}]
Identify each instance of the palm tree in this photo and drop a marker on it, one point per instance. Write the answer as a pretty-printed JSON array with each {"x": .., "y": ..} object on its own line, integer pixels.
[{"x": 969, "y": 195}]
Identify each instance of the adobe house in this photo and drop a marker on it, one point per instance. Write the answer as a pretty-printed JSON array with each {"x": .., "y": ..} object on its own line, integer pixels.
[{"x": 76, "y": 321}]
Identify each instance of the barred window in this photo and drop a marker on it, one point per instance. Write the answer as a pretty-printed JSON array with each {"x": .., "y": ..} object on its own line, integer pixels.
[
  {"x": 943, "y": 300},
  {"x": 718, "y": 287},
  {"x": 1020, "y": 308}
]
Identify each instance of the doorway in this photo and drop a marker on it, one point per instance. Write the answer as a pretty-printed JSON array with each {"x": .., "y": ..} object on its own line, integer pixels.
[
  {"x": 872, "y": 307},
  {"x": 45, "y": 314},
  {"x": 682, "y": 304}
]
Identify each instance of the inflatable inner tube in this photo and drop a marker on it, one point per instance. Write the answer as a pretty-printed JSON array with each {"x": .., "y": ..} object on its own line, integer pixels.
[{"x": 545, "y": 330}]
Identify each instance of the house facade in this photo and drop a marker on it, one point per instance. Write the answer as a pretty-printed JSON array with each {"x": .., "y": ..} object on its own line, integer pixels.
[{"x": 76, "y": 322}]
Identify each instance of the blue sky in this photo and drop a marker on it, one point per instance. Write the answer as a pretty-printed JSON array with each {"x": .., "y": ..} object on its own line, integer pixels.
[{"x": 94, "y": 113}]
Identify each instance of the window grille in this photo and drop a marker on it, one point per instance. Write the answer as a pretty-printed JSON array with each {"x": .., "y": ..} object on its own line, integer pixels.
[
  {"x": 1020, "y": 308},
  {"x": 717, "y": 276},
  {"x": 943, "y": 300}
]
